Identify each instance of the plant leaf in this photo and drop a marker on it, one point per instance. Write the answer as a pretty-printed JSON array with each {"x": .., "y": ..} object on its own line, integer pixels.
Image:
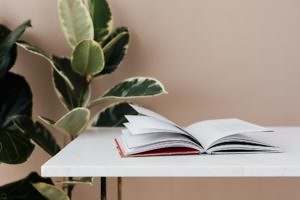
[
  {"x": 75, "y": 21},
  {"x": 45, "y": 139},
  {"x": 88, "y": 58},
  {"x": 23, "y": 189},
  {"x": 102, "y": 18},
  {"x": 74, "y": 121},
  {"x": 50, "y": 192},
  {"x": 4, "y": 32},
  {"x": 17, "y": 98},
  {"x": 10, "y": 59},
  {"x": 50, "y": 125},
  {"x": 8, "y": 51},
  {"x": 131, "y": 88},
  {"x": 38, "y": 133},
  {"x": 115, "y": 48},
  {"x": 114, "y": 116},
  {"x": 80, "y": 95},
  {"x": 35, "y": 50},
  {"x": 15, "y": 148}
]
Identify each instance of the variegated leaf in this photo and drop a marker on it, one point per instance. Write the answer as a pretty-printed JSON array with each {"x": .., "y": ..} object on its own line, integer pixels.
[
  {"x": 131, "y": 88},
  {"x": 23, "y": 189},
  {"x": 87, "y": 58},
  {"x": 102, "y": 18},
  {"x": 50, "y": 125},
  {"x": 79, "y": 96},
  {"x": 75, "y": 21},
  {"x": 35, "y": 50},
  {"x": 74, "y": 121},
  {"x": 114, "y": 116},
  {"x": 50, "y": 192},
  {"x": 115, "y": 48}
]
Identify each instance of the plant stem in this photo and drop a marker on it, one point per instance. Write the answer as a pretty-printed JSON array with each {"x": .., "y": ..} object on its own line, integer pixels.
[{"x": 68, "y": 188}]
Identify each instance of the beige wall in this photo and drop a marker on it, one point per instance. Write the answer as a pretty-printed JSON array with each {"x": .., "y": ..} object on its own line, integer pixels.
[{"x": 217, "y": 59}]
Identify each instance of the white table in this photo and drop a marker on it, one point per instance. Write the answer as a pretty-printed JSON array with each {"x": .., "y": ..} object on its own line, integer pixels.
[{"x": 93, "y": 154}]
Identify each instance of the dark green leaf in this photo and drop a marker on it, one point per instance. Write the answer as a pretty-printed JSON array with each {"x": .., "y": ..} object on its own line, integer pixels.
[
  {"x": 23, "y": 189},
  {"x": 102, "y": 19},
  {"x": 115, "y": 48},
  {"x": 114, "y": 116},
  {"x": 8, "y": 46},
  {"x": 80, "y": 95},
  {"x": 38, "y": 133},
  {"x": 12, "y": 54},
  {"x": 16, "y": 98},
  {"x": 44, "y": 139},
  {"x": 15, "y": 147},
  {"x": 4, "y": 31}
]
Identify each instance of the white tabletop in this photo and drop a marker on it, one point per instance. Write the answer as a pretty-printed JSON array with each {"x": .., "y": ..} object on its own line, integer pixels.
[{"x": 93, "y": 154}]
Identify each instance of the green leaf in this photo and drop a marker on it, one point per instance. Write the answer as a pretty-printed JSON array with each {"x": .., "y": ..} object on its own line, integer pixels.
[
  {"x": 23, "y": 189},
  {"x": 131, "y": 88},
  {"x": 18, "y": 98},
  {"x": 114, "y": 116},
  {"x": 74, "y": 121},
  {"x": 75, "y": 21},
  {"x": 102, "y": 18},
  {"x": 80, "y": 95},
  {"x": 36, "y": 51},
  {"x": 115, "y": 48},
  {"x": 50, "y": 125},
  {"x": 10, "y": 59},
  {"x": 15, "y": 147},
  {"x": 4, "y": 32},
  {"x": 45, "y": 139},
  {"x": 38, "y": 133},
  {"x": 8, "y": 51},
  {"x": 87, "y": 58},
  {"x": 50, "y": 192}
]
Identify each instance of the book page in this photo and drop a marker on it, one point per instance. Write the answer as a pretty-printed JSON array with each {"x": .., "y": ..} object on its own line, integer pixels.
[
  {"x": 139, "y": 131},
  {"x": 207, "y": 132},
  {"x": 133, "y": 141},
  {"x": 150, "y": 113},
  {"x": 137, "y": 122}
]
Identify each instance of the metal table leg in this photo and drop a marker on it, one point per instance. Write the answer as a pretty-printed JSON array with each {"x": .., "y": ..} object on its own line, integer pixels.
[
  {"x": 119, "y": 188},
  {"x": 103, "y": 188}
]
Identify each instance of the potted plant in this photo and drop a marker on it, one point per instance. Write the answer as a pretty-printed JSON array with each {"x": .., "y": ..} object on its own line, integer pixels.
[{"x": 97, "y": 50}]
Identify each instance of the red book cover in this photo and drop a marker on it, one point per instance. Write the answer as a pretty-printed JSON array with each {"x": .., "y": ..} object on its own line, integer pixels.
[{"x": 160, "y": 152}]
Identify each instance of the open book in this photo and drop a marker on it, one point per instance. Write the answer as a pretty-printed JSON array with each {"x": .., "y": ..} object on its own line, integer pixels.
[{"x": 149, "y": 134}]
